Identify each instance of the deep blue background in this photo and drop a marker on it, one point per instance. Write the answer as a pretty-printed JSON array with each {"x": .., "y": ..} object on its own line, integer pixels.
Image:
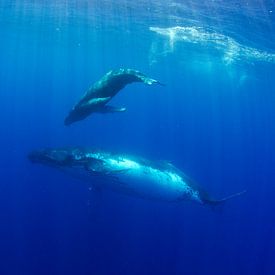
[{"x": 213, "y": 120}]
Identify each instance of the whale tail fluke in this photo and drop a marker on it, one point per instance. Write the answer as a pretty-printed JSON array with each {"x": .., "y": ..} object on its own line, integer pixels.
[
  {"x": 152, "y": 81},
  {"x": 214, "y": 202},
  {"x": 160, "y": 83}
]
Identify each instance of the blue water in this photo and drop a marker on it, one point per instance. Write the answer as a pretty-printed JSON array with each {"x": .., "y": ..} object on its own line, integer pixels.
[{"x": 214, "y": 119}]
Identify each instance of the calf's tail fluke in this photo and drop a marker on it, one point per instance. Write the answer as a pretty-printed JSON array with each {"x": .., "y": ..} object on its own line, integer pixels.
[
  {"x": 220, "y": 201},
  {"x": 151, "y": 81}
]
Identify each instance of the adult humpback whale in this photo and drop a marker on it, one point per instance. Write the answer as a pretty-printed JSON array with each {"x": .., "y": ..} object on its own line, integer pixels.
[
  {"x": 126, "y": 174},
  {"x": 96, "y": 98}
]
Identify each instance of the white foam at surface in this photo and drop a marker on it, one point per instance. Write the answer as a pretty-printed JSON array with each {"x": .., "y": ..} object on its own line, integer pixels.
[{"x": 230, "y": 49}]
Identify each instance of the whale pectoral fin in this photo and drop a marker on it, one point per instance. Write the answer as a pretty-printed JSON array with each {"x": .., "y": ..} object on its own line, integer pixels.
[
  {"x": 99, "y": 100},
  {"x": 96, "y": 101},
  {"x": 111, "y": 109}
]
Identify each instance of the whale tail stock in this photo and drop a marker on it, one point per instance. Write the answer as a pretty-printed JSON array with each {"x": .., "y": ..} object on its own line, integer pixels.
[{"x": 213, "y": 202}]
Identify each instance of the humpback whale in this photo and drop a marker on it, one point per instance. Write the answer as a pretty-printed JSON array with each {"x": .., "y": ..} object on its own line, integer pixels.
[
  {"x": 101, "y": 92},
  {"x": 126, "y": 174}
]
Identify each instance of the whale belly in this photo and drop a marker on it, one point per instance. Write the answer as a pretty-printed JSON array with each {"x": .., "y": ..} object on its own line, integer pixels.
[{"x": 147, "y": 182}]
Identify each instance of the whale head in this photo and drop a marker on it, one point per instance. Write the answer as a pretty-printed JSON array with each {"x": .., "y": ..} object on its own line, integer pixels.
[{"x": 51, "y": 157}]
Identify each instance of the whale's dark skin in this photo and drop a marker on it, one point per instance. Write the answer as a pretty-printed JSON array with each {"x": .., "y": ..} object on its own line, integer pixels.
[
  {"x": 126, "y": 174},
  {"x": 101, "y": 92}
]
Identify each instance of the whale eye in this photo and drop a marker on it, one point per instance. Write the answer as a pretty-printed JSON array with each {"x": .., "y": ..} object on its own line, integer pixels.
[
  {"x": 77, "y": 157},
  {"x": 77, "y": 154}
]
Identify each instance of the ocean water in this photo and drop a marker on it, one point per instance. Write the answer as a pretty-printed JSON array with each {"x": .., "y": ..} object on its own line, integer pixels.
[{"x": 214, "y": 119}]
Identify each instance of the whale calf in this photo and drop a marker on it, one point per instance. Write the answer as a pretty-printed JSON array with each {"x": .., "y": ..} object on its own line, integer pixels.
[
  {"x": 96, "y": 98},
  {"x": 126, "y": 174}
]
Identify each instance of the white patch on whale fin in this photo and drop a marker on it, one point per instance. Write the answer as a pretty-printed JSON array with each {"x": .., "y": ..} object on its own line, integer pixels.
[
  {"x": 98, "y": 100},
  {"x": 111, "y": 109}
]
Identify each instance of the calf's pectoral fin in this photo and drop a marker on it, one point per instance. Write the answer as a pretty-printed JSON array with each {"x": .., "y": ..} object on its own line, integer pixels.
[
  {"x": 111, "y": 109},
  {"x": 98, "y": 100},
  {"x": 95, "y": 101}
]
